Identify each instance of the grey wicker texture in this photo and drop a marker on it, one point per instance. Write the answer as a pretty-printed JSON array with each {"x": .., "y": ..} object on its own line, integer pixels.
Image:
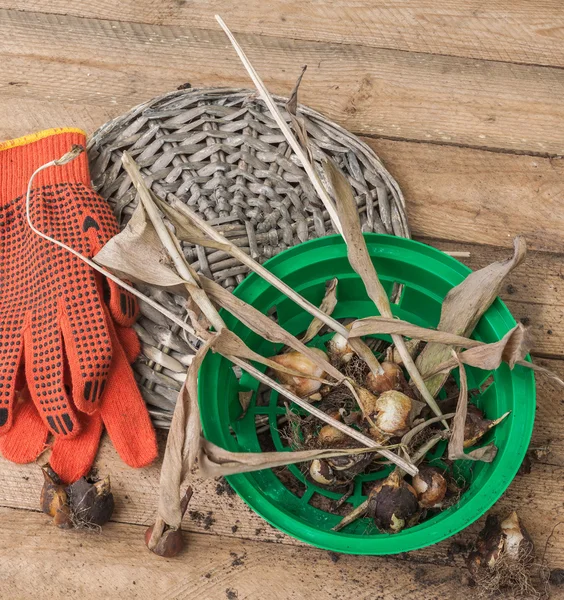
[{"x": 219, "y": 151}]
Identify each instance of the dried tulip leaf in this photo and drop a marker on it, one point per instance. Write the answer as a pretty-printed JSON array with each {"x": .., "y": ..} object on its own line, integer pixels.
[
  {"x": 512, "y": 348},
  {"x": 137, "y": 253},
  {"x": 281, "y": 122},
  {"x": 214, "y": 461},
  {"x": 327, "y": 306},
  {"x": 183, "y": 443},
  {"x": 228, "y": 343},
  {"x": 362, "y": 264},
  {"x": 462, "y": 308},
  {"x": 390, "y": 326},
  {"x": 263, "y": 325},
  {"x": 456, "y": 442}
]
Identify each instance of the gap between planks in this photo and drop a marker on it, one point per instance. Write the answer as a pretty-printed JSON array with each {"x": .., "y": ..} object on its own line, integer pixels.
[
  {"x": 510, "y": 31},
  {"x": 380, "y": 92}
]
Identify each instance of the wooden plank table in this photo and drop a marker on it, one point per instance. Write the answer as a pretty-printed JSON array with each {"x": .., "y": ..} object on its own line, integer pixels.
[{"x": 464, "y": 102}]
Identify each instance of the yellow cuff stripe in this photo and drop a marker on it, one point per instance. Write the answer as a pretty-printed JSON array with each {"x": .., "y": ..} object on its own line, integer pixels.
[{"x": 34, "y": 137}]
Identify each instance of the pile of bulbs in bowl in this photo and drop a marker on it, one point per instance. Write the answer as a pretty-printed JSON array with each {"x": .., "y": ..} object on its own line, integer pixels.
[{"x": 390, "y": 414}]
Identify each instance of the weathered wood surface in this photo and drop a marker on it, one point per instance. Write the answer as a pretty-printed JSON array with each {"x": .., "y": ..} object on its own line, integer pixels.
[
  {"x": 504, "y": 30},
  {"x": 373, "y": 91},
  {"x": 115, "y": 564},
  {"x": 471, "y": 136}
]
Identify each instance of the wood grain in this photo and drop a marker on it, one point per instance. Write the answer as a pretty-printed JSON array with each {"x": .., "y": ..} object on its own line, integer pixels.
[
  {"x": 384, "y": 92},
  {"x": 48, "y": 563},
  {"x": 504, "y": 30},
  {"x": 457, "y": 194}
]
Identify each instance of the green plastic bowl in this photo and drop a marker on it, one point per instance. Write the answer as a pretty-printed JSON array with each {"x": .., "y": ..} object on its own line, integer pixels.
[{"x": 427, "y": 275}]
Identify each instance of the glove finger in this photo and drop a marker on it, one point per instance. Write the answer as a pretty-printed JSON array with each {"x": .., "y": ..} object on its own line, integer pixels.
[
  {"x": 100, "y": 225},
  {"x": 27, "y": 438},
  {"x": 88, "y": 348},
  {"x": 122, "y": 304},
  {"x": 11, "y": 345},
  {"x": 44, "y": 368},
  {"x": 129, "y": 341},
  {"x": 125, "y": 414},
  {"x": 73, "y": 459}
]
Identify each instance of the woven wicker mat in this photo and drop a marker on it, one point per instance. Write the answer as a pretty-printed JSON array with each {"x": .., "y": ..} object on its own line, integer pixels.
[{"x": 219, "y": 151}]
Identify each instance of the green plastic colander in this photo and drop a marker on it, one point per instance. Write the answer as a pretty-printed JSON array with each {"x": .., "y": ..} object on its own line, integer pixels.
[{"x": 427, "y": 275}]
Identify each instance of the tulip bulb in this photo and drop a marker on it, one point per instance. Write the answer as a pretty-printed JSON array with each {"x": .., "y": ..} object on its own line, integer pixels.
[
  {"x": 339, "y": 349},
  {"x": 393, "y": 505},
  {"x": 321, "y": 472},
  {"x": 92, "y": 502},
  {"x": 431, "y": 486},
  {"x": 53, "y": 494},
  {"x": 392, "y": 413},
  {"x": 170, "y": 544},
  {"x": 301, "y": 386},
  {"x": 501, "y": 545},
  {"x": 388, "y": 380}
]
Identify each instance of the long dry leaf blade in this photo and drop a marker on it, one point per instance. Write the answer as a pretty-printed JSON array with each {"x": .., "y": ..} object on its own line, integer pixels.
[
  {"x": 390, "y": 326},
  {"x": 550, "y": 374},
  {"x": 361, "y": 262},
  {"x": 182, "y": 444},
  {"x": 214, "y": 461},
  {"x": 263, "y": 325},
  {"x": 281, "y": 122},
  {"x": 462, "y": 308},
  {"x": 456, "y": 442},
  {"x": 228, "y": 343},
  {"x": 327, "y": 306},
  {"x": 511, "y": 349}
]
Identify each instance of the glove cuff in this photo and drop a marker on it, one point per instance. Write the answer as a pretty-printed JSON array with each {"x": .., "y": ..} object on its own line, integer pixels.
[{"x": 20, "y": 157}]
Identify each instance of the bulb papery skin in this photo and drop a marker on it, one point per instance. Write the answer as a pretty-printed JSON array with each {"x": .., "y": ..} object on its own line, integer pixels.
[
  {"x": 389, "y": 380},
  {"x": 339, "y": 349},
  {"x": 321, "y": 472},
  {"x": 430, "y": 486},
  {"x": 301, "y": 386},
  {"x": 393, "y": 411}
]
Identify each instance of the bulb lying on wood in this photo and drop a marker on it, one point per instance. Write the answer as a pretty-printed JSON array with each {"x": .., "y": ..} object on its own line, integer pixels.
[
  {"x": 91, "y": 502},
  {"x": 502, "y": 559},
  {"x": 430, "y": 486},
  {"x": 54, "y": 499},
  {"x": 476, "y": 425},
  {"x": 171, "y": 541},
  {"x": 393, "y": 505},
  {"x": 301, "y": 386}
]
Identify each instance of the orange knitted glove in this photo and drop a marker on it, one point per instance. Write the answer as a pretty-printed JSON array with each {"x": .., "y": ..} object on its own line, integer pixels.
[
  {"x": 50, "y": 307},
  {"x": 122, "y": 411}
]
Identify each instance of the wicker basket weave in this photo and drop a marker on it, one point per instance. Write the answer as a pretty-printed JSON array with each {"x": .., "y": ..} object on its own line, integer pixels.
[{"x": 219, "y": 150}]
